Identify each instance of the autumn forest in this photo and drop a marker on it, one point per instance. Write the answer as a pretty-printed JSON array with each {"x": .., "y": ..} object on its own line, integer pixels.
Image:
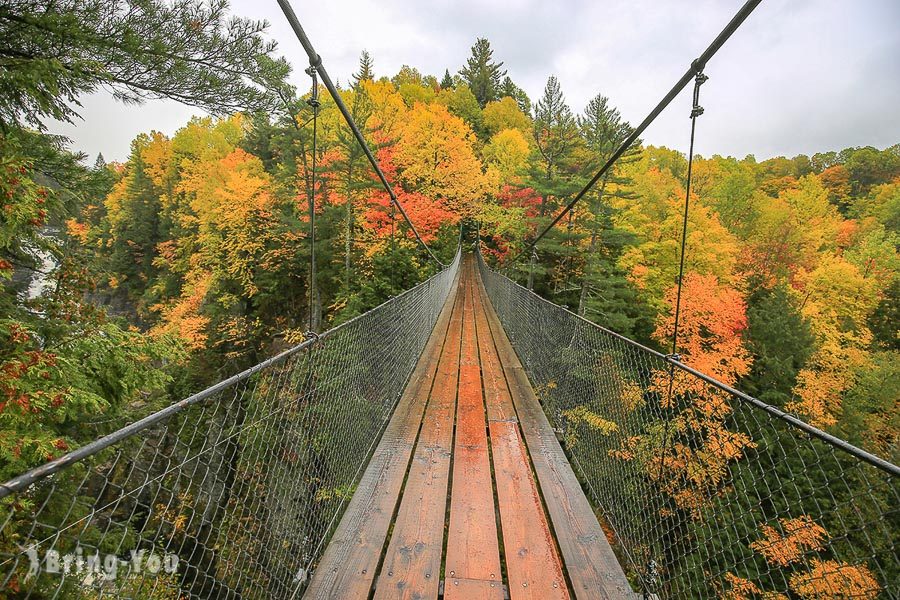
[{"x": 190, "y": 261}]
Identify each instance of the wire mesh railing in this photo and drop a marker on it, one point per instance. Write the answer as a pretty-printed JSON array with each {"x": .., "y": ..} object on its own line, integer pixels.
[
  {"x": 231, "y": 493},
  {"x": 708, "y": 493}
]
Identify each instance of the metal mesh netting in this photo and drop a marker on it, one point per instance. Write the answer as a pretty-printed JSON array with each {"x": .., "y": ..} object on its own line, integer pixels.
[
  {"x": 706, "y": 491},
  {"x": 231, "y": 493}
]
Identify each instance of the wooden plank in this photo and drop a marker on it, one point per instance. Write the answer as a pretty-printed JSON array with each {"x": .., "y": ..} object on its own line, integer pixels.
[
  {"x": 533, "y": 567},
  {"x": 472, "y": 589},
  {"x": 496, "y": 393},
  {"x": 347, "y": 567},
  {"x": 590, "y": 562},
  {"x": 412, "y": 562},
  {"x": 473, "y": 551}
]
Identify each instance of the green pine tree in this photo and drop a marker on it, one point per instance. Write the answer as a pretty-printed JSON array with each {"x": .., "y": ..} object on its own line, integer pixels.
[
  {"x": 366, "y": 69},
  {"x": 556, "y": 138},
  {"x": 191, "y": 51},
  {"x": 508, "y": 88},
  {"x": 605, "y": 292},
  {"x": 483, "y": 74},
  {"x": 447, "y": 80},
  {"x": 553, "y": 174}
]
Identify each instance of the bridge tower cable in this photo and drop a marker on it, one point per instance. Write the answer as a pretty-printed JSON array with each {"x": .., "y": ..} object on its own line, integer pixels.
[
  {"x": 697, "y": 66},
  {"x": 696, "y": 110},
  {"x": 315, "y": 61},
  {"x": 313, "y": 288}
]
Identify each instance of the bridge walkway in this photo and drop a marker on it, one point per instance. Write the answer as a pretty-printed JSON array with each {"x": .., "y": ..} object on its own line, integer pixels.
[{"x": 468, "y": 494}]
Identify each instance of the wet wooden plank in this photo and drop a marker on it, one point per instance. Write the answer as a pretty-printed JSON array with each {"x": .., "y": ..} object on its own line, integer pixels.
[
  {"x": 473, "y": 551},
  {"x": 348, "y": 565},
  {"x": 496, "y": 392},
  {"x": 472, "y": 589},
  {"x": 533, "y": 567},
  {"x": 592, "y": 566},
  {"x": 412, "y": 562}
]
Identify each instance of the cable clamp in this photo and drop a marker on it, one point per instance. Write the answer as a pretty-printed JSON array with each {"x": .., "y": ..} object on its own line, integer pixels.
[
  {"x": 697, "y": 66},
  {"x": 676, "y": 357},
  {"x": 314, "y": 95},
  {"x": 312, "y": 335},
  {"x": 699, "y": 80}
]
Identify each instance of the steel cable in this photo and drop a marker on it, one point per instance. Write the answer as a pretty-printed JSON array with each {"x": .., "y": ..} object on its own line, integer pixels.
[
  {"x": 696, "y": 67},
  {"x": 241, "y": 483},
  {"x": 316, "y": 61}
]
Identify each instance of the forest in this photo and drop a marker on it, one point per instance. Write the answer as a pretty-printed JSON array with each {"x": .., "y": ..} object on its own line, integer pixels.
[{"x": 190, "y": 260}]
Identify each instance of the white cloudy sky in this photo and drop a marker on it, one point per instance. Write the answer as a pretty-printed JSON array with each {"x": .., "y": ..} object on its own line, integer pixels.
[{"x": 801, "y": 76}]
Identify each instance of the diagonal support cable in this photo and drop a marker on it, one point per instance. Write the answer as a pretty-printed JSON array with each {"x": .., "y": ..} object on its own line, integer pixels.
[
  {"x": 696, "y": 67},
  {"x": 316, "y": 61}
]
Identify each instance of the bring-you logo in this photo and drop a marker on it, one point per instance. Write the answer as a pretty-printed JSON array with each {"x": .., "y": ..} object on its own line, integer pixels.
[{"x": 95, "y": 566}]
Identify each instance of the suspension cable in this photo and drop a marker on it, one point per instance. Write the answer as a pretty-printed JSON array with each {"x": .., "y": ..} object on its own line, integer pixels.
[
  {"x": 316, "y": 61},
  {"x": 697, "y": 66},
  {"x": 696, "y": 111},
  {"x": 314, "y": 103}
]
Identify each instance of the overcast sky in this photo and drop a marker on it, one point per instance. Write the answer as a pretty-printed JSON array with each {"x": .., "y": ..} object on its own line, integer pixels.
[{"x": 800, "y": 76}]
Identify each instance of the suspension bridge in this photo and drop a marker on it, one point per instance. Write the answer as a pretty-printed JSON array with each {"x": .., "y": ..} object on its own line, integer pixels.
[{"x": 466, "y": 439}]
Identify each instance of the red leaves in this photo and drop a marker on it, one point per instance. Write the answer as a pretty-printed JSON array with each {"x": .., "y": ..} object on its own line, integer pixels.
[
  {"x": 527, "y": 198},
  {"x": 18, "y": 335},
  {"x": 25, "y": 374}
]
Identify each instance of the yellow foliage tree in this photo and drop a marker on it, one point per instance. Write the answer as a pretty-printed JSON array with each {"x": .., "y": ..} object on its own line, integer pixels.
[
  {"x": 436, "y": 157},
  {"x": 832, "y": 580},
  {"x": 799, "y": 535},
  {"x": 508, "y": 152},
  {"x": 841, "y": 334},
  {"x": 388, "y": 108},
  {"x": 814, "y": 579},
  {"x": 505, "y": 114},
  {"x": 656, "y": 220}
]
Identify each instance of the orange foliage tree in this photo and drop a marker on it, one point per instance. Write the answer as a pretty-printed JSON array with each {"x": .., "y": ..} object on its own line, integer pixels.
[
  {"x": 795, "y": 546},
  {"x": 688, "y": 454}
]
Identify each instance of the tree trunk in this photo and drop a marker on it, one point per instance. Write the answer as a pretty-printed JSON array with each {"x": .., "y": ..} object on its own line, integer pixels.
[
  {"x": 586, "y": 279},
  {"x": 595, "y": 235}
]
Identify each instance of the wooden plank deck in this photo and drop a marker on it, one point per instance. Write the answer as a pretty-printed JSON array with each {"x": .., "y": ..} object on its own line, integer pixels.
[
  {"x": 473, "y": 549},
  {"x": 453, "y": 500}
]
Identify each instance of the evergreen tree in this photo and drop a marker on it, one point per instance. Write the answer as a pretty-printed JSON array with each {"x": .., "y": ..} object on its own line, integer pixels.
[
  {"x": 508, "y": 88},
  {"x": 351, "y": 178},
  {"x": 555, "y": 136},
  {"x": 134, "y": 226},
  {"x": 553, "y": 173},
  {"x": 447, "y": 80},
  {"x": 481, "y": 72},
  {"x": 191, "y": 51},
  {"x": 781, "y": 342},
  {"x": 603, "y": 131},
  {"x": 100, "y": 163},
  {"x": 366, "y": 69},
  {"x": 884, "y": 319}
]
